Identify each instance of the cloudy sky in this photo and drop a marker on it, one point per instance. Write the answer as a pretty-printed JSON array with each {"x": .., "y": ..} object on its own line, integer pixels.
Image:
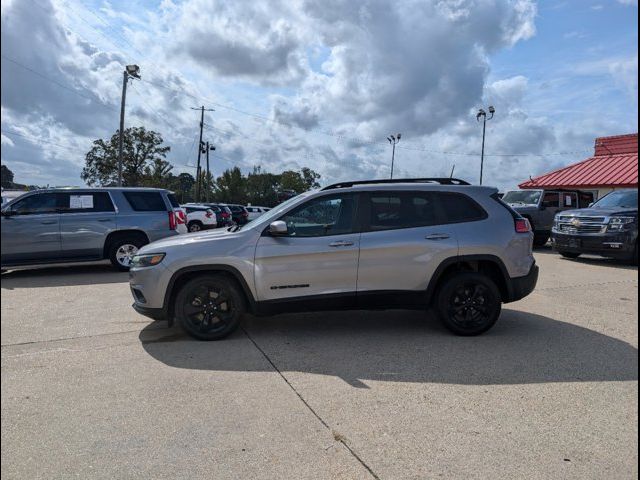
[{"x": 321, "y": 84}]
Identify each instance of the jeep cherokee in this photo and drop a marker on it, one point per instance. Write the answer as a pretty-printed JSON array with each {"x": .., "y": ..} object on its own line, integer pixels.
[{"x": 379, "y": 244}]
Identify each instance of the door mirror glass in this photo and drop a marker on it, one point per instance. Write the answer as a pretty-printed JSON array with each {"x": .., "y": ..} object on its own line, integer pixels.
[{"x": 278, "y": 228}]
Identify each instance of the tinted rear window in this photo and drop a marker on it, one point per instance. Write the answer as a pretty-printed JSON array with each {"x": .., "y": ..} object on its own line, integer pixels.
[
  {"x": 458, "y": 208},
  {"x": 146, "y": 201},
  {"x": 172, "y": 200},
  {"x": 402, "y": 210}
]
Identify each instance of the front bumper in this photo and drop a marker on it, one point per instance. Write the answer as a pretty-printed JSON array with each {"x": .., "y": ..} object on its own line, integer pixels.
[
  {"x": 614, "y": 245},
  {"x": 153, "y": 313},
  {"x": 520, "y": 287}
]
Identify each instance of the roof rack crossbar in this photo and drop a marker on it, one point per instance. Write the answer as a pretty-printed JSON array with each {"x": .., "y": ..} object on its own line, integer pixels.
[{"x": 440, "y": 180}]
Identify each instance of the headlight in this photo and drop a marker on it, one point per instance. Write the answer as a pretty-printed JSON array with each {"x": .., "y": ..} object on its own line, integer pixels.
[
  {"x": 618, "y": 224},
  {"x": 147, "y": 260}
]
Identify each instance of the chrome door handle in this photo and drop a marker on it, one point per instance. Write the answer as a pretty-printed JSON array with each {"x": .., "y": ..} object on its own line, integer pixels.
[
  {"x": 104, "y": 219},
  {"x": 341, "y": 244},
  {"x": 438, "y": 236}
]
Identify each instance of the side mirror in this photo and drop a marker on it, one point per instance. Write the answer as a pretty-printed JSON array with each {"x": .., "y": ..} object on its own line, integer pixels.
[{"x": 278, "y": 228}]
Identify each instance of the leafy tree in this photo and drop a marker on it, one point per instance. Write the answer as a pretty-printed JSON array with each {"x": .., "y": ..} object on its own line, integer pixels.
[
  {"x": 7, "y": 176},
  {"x": 143, "y": 155},
  {"x": 231, "y": 187}
]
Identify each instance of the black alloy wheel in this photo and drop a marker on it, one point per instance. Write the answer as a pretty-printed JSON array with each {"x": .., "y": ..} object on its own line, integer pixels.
[
  {"x": 209, "y": 307},
  {"x": 469, "y": 303}
]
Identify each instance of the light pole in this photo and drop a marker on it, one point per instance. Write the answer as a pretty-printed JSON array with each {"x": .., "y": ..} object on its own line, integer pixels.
[
  {"x": 132, "y": 71},
  {"x": 393, "y": 141},
  {"x": 483, "y": 114},
  {"x": 209, "y": 148}
]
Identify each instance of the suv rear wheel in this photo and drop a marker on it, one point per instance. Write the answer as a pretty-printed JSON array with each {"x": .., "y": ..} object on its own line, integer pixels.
[
  {"x": 468, "y": 303},
  {"x": 123, "y": 249},
  {"x": 194, "y": 226},
  {"x": 209, "y": 307}
]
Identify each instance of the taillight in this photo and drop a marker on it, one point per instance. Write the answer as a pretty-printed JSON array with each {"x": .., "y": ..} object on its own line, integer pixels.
[
  {"x": 180, "y": 218},
  {"x": 225, "y": 215},
  {"x": 522, "y": 225},
  {"x": 245, "y": 214},
  {"x": 172, "y": 221},
  {"x": 209, "y": 214}
]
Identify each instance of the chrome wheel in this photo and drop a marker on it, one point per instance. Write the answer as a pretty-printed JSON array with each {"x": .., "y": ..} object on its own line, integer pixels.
[
  {"x": 194, "y": 227},
  {"x": 125, "y": 254}
]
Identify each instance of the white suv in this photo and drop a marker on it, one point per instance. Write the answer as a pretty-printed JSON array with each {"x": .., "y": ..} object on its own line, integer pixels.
[
  {"x": 200, "y": 218},
  {"x": 255, "y": 212},
  {"x": 407, "y": 244}
]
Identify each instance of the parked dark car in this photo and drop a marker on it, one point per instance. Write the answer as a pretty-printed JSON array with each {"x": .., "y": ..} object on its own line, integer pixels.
[
  {"x": 239, "y": 213},
  {"x": 223, "y": 213},
  {"x": 609, "y": 228},
  {"x": 87, "y": 224},
  {"x": 541, "y": 206}
]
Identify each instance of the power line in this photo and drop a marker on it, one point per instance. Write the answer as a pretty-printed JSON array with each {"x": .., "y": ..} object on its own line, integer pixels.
[
  {"x": 61, "y": 85},
  {"x": 36, "y": 141}
]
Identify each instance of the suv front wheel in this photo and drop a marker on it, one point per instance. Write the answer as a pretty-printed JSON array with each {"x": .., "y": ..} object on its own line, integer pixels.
[
  {"x": 468, "y": 303},
  {"x": 209, "y": 307}
]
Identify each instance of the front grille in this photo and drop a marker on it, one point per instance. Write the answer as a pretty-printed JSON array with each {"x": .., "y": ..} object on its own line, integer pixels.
[
  {"x": 568, "y": 228},
  {"x": 569, "y": 218},
  {"x": 573, "y": 225}
]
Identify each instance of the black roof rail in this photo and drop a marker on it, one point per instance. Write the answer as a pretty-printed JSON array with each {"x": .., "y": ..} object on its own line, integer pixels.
[{"x": 441, "y": 181}]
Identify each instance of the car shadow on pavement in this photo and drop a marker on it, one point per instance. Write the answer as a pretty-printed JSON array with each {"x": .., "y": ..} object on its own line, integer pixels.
[
  {"x": 62, "y": 276},
  {"x": 589, "y": 259},
  {"x": 404, "y": 346}
]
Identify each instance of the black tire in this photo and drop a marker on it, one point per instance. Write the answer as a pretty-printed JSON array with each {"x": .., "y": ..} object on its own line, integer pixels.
[
  {"x": 195, "y": 226},
  {"x": 468, "y": 303},
  {"x": 215, "y": 319},
  {"x": 540, "y": 239},
  {"x": 572, "y": 255},
  {"x": 129, "y": 244}
]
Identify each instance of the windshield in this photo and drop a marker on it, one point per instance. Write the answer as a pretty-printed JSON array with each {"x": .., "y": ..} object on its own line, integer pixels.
[
  {"x": 276, "y": 211},
  {"x": 523, "y": 197},
  {"x": 619, "y": 199}
]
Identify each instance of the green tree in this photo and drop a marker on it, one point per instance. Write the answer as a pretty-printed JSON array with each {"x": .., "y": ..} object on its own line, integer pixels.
[
  {"x": 231, "y": 187},
  {"x": 262, "y": 188},
  {"x": 6, "y": 176},
  {"x": 143, "y": 154}
]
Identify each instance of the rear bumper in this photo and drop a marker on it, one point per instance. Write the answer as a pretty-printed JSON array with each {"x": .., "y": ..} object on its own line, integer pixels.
[
  {"x": 614, "y": 245},
  {"x": 520, "y": 287}
]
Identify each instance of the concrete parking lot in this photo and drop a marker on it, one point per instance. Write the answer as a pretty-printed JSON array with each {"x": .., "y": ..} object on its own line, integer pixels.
[{"x": 90, "y": 389}]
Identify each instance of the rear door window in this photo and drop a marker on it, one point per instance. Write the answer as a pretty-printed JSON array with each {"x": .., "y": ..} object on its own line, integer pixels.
[
  {"x": 402, "y": 210},
  {"x": 85, "y": 202},
  {"x": 146, "y": 201}
]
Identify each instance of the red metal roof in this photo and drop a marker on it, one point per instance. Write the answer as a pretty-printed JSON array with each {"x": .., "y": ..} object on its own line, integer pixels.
[{"x": 615, "y": 164}]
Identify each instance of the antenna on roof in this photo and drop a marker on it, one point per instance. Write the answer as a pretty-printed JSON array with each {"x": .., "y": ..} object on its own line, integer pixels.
[{"x": 452, "y": 170}]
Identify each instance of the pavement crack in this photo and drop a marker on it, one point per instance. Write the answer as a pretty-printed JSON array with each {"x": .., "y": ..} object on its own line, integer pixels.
[
  {"x": 338, "y": 437},
  {"x": 36, "y": 342}
]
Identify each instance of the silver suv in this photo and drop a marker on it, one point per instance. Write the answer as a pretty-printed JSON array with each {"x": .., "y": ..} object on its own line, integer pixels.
[
  {"x": 86, "y": 224},
  {"x": 405, "y": 244}
]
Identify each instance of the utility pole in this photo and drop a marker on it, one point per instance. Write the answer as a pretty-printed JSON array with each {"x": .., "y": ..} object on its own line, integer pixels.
[
  {"x": 200, "y": 148},
  {"x": 209, "y": 148},
  {"x": 483, "y": 114},
  {"x": 393, "y": 140},
  {"x": 134, "y": 72}
]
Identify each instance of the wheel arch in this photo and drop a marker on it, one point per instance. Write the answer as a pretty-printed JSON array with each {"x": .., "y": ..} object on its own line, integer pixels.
[
  {"x": 116, "y": 234},
  {"x": 183, "y": 275},
  {"x": 489, "y": 265}
]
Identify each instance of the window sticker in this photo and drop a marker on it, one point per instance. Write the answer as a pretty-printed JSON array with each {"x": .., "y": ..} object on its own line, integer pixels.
[
  {"x": 80, "y": 201},
  {"x": 568, "y": 201}
]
